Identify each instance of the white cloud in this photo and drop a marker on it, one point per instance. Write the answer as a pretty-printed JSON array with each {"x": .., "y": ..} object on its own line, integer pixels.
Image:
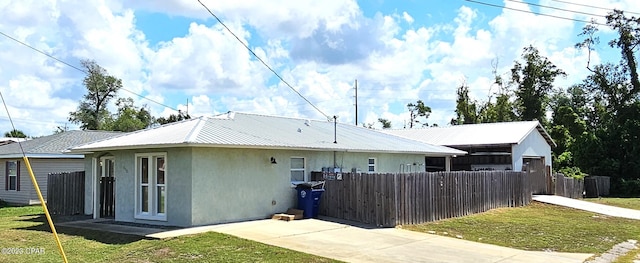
[
  {"x": 407, "y": 17},
  {"x": 320, "y": 48}
]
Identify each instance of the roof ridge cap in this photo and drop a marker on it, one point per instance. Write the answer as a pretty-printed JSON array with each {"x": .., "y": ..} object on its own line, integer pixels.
[{"x": 193, "y": 134}]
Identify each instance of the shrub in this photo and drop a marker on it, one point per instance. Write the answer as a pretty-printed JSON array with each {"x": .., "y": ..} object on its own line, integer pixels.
[
  {"x": 625, "y": 187},
  {"x": 573, "y": 172}
]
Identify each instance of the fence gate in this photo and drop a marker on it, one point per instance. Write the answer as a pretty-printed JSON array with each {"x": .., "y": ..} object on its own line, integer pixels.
[
  {"x": 107, "y": 197},
  {"x": 65, "y": 193},
  {"x": 538, "y": 173}
]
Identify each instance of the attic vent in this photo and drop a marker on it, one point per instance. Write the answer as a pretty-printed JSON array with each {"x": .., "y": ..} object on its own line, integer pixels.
[
  {"x": 299, "y": 129},
  {"x": 231, "y": 114},
  {"x": 307, "y": 122}
]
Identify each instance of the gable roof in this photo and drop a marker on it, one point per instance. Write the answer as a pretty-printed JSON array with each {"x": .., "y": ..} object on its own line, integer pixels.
[
  {"x": 53, "y": 146},
  {"x": 242, "y": 130},
  {"x": 476, "y": 134}
]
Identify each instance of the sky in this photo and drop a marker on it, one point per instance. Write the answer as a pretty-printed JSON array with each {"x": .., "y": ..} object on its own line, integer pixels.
[{"x": 177, "y": 56}]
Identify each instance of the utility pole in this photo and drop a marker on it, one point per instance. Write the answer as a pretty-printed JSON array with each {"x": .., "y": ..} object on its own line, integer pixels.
[{"x": 356, "y": 87}]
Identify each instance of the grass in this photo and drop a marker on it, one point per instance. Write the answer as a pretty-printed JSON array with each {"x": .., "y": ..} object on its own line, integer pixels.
[
  {"x": 631, "y": 203},
  {"x": 629, "y": 257},
  {"x": 539, "y": 227},
  {"x": 25, "y": 227}
]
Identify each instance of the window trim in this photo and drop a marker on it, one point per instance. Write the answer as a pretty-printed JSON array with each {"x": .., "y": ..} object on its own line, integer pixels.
[
  {"x": 375, "y": 165},
  {"x": 8, "y": 176},
  {"x": 304, "y": 170},
  {"x": 151, "y": 184}
]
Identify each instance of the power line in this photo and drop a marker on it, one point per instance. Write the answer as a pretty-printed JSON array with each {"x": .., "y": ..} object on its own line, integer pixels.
[
  {"x": 262, "y": 61},
  {"x": 540, "y": 14},
  {"x": 81, "y": 70},
  {"x": 556, "y": 8},
  {"x": 592, "y": 6}
]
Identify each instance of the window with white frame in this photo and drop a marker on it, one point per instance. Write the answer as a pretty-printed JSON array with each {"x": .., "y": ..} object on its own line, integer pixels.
[
  {"x": 297, "y": 169},
  {"x": 371, "y": 166},
  {"x": 12, "y": 176},
  {"x": 151, "y": 189}
]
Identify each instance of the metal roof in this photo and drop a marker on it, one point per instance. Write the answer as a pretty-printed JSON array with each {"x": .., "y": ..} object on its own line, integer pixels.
[
  {"x": 53, "y": 146},
  {"x": 476, "y": 134},
  {"x": 242, "y": 130}
]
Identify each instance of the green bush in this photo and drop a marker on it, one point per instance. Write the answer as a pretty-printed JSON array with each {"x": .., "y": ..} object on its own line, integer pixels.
[
  {"x": 573, "y": 172},
  {"x": 625, "y": 187}
]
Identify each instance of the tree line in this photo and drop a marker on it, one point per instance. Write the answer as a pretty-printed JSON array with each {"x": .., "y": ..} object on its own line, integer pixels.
[{"x": 595, "y": 123}]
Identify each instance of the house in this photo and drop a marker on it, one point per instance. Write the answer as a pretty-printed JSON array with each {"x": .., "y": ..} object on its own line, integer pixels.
[
  {"x": 10, "y": 140},
  {"x": 490, "y": 146},
  {"x": 45, "y": 156},
  {"x": 235, "y": 166}
]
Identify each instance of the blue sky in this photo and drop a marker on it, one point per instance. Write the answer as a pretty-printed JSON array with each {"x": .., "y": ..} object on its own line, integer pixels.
[{"x": 173, "y": 51}]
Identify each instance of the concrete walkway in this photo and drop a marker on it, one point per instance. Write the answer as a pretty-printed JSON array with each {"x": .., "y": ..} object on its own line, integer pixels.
[
  {"x": 361, "y": 244},
  {"x": 589, "y": 206}
]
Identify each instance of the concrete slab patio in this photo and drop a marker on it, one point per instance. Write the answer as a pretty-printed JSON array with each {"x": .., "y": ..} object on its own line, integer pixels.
[
  {"x": 589, "y": 206},
  {"x": 362, "y": 244}
]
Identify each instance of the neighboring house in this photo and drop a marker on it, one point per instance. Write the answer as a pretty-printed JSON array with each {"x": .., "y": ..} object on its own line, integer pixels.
[
  {"x": 10, "y": 140},
  {"x": 45, "y": 156},
  {"x": 233, "y": 167},
  {"x": 490, "y": 146}
]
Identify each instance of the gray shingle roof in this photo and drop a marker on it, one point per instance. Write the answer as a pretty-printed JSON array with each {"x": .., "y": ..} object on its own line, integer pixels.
[
  {"x": 241, "y": 130},
  {"x": 476, "y": 134},
  {"x": 53, "y": 146}
]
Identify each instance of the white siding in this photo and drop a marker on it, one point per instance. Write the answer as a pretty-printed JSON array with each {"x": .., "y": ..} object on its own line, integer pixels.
[
  {"x": 534, "y": 145},
  {"x": 41, "y": 168}
]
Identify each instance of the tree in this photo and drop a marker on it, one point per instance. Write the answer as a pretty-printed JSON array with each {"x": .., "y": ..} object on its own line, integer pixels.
[
  {"x": 129, "y": 117},
  {"x": 533, "y": 81},
  {"x": 418, "y": 110},
  {"x": 466, "y": 109},
  {"x": 173, "y": 118},
  {"x": 628, "y": 39},
  {"x": 386, "y": 124},
  {"x": 15, "y": 134},
  {"x": 503, "y": 110},
  {"x": 101, "y": 88}
]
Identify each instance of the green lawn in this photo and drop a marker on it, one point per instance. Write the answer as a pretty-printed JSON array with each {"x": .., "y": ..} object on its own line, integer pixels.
[
  {"x": 539, "y": 227},
  {"x": 25, "y": 227},
  {"x": 631, "y": 203}
]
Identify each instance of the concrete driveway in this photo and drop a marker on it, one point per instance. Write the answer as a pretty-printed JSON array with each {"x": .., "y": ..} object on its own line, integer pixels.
[
  {"x": 589, "y": 206},
  {"x": 361, "y": 244}
]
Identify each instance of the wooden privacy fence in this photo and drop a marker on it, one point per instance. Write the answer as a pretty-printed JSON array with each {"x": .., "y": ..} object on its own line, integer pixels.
[
  {"x": 65, "y": 193},
  {"x": 596, "y": 186},
  {"x": 569, "y": 187},
  {"x": 388, "y": 200},
  {"x": 540, "y": 179}
]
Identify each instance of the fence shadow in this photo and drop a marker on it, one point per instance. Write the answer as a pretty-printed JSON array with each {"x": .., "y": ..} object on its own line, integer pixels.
[
  {"x": 348, "y": 222},
  {"x": 104, "y": 237}
]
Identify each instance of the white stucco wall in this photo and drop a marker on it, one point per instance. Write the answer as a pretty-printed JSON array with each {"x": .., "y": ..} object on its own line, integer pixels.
[
  {"x": 534, "y": 145},
  {"x": 178, "y": 185},
  {"x": 217, "y": 185},
  {"x": 241, "y": 184}
]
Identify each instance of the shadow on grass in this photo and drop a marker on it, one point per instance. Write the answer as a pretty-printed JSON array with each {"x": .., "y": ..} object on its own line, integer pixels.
[
  {"x": 96, "y": 235},
  {"x": 348, "y": 222},
  {"x": 41, "y": 218}
]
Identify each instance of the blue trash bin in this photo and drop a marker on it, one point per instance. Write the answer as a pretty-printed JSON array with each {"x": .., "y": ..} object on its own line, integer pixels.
[
  {"x": 309, "y": 200},
  {"x": 316, "y": 194}
]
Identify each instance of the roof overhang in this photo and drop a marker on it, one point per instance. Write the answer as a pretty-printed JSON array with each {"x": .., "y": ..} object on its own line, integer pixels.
[
  {"x": 42, "y": 156},
  {"x": 311, "y": 148}
]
